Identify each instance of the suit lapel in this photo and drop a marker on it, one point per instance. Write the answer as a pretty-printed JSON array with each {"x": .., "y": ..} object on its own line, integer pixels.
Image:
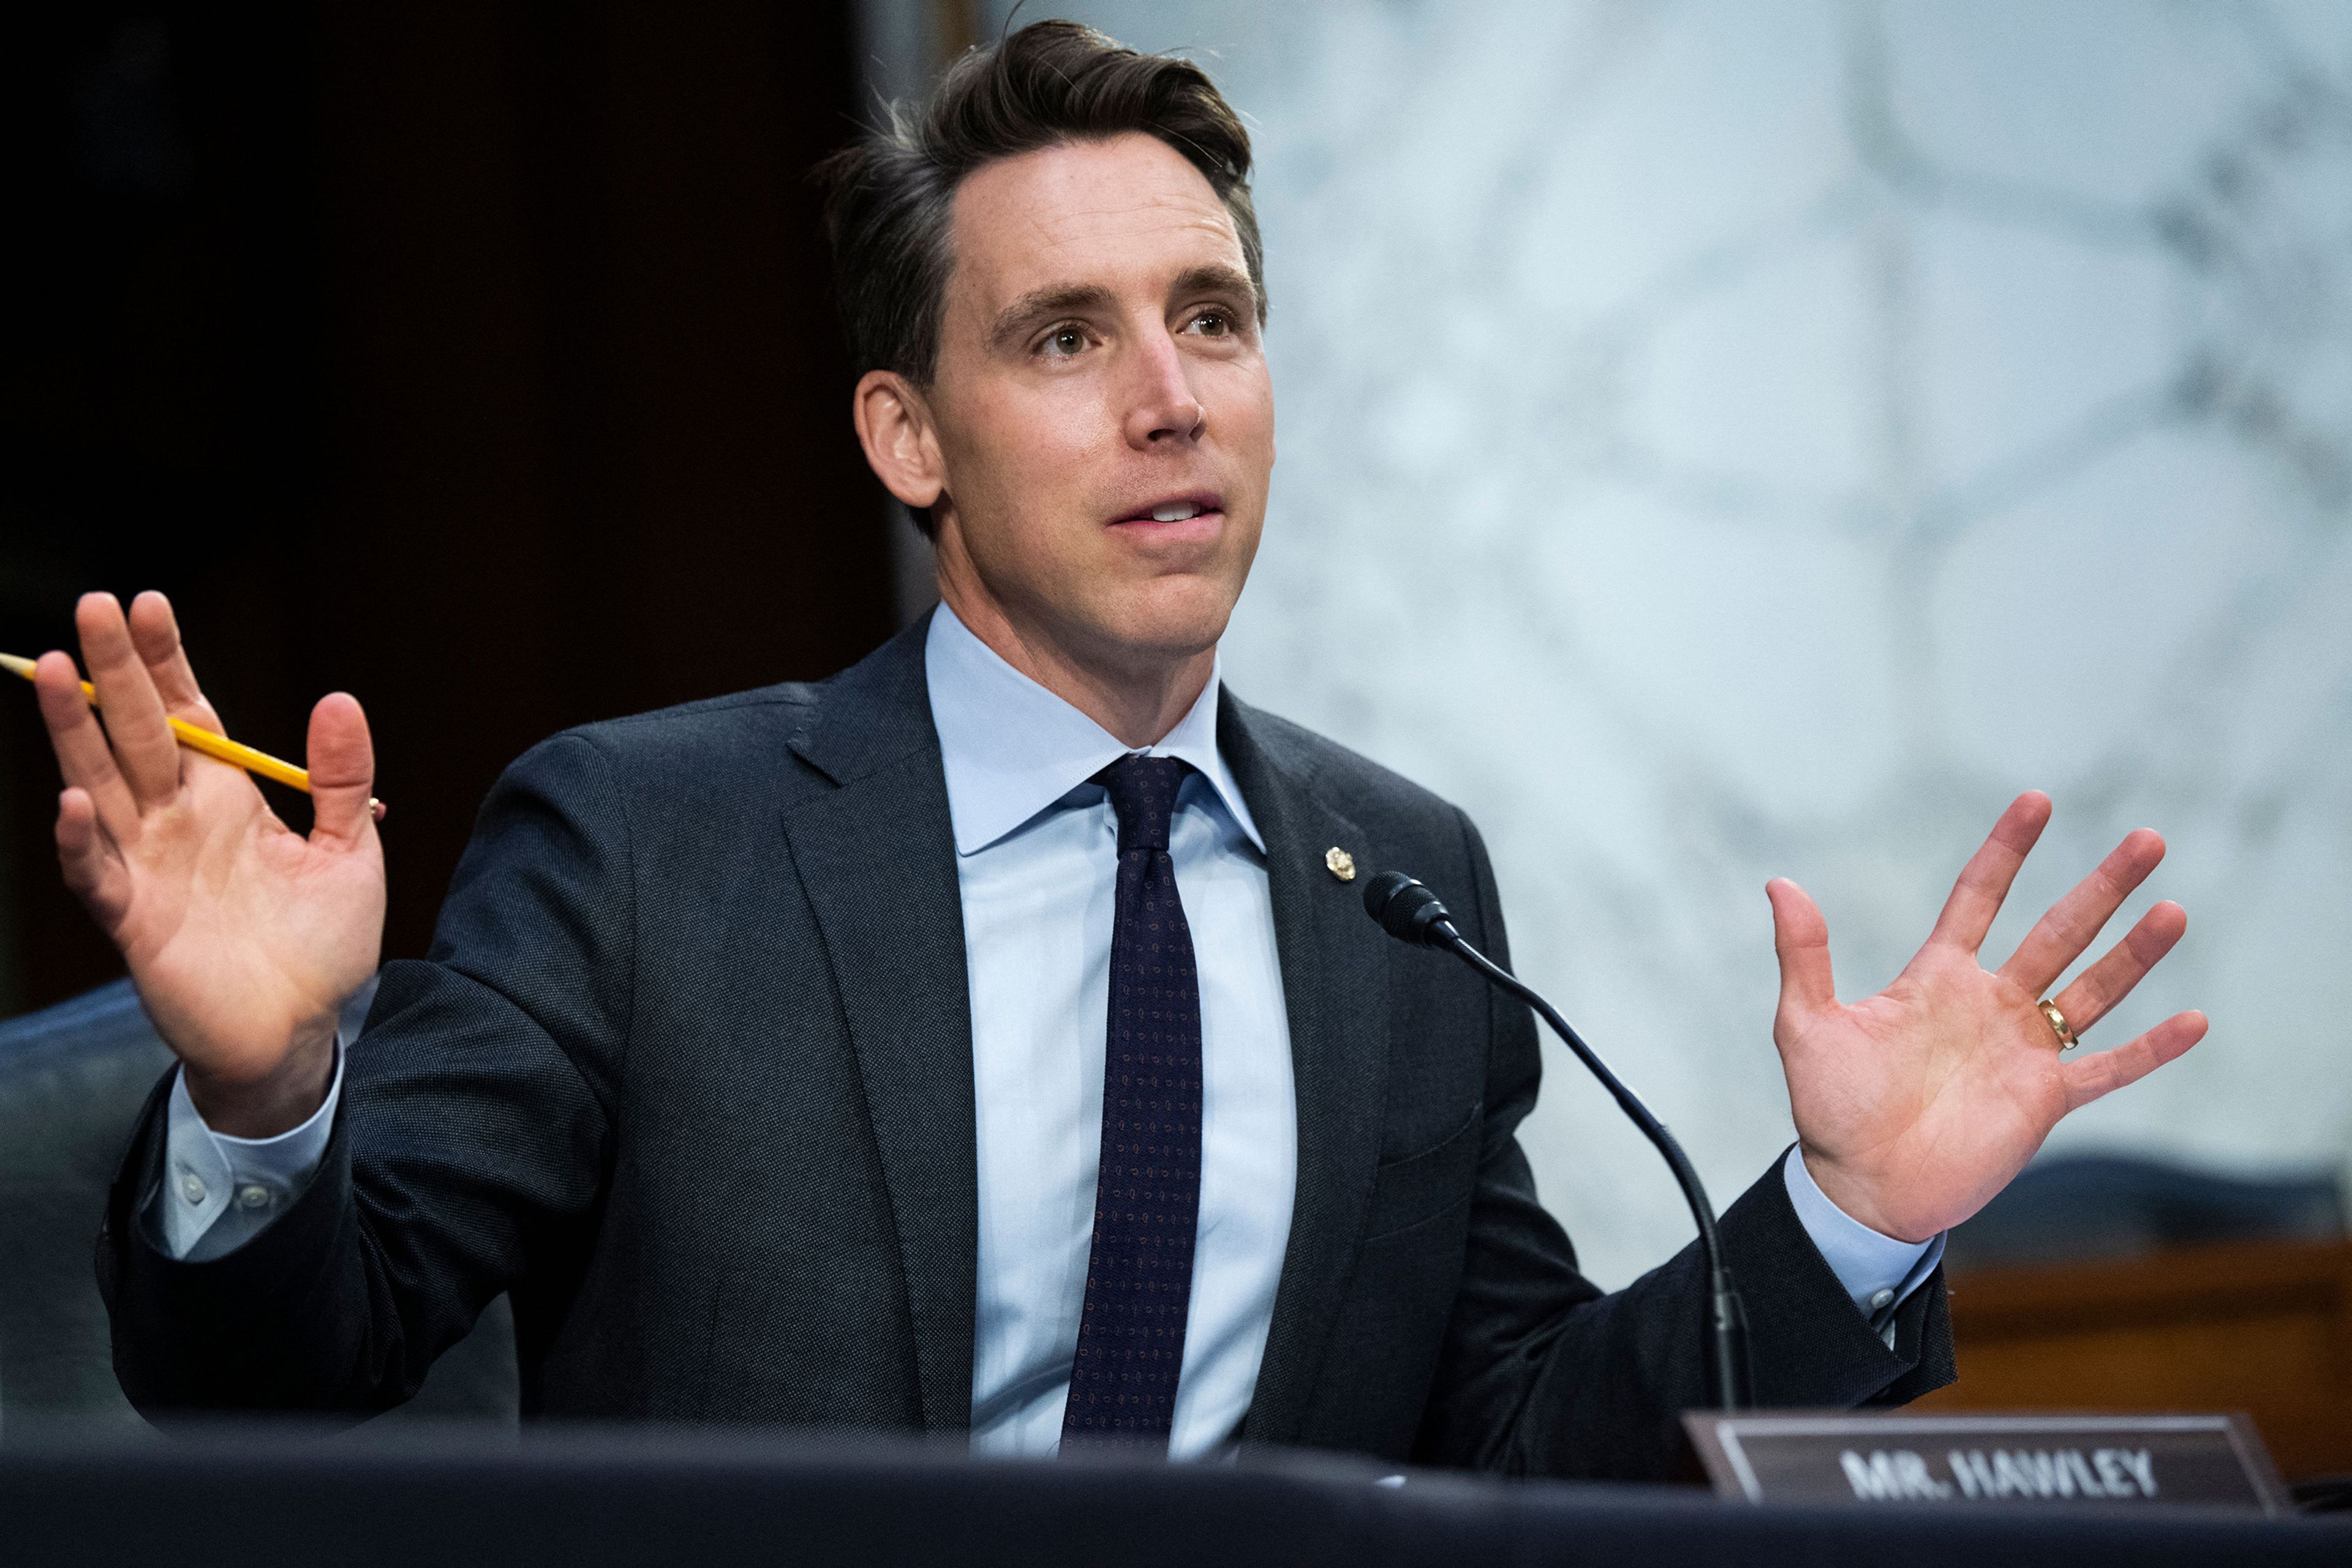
[
  {"x": 1335, "y": 986},
  {"x": 877, "y": 857}
]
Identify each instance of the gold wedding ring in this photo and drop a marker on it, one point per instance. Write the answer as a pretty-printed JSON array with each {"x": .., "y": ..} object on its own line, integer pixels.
[{"x": 2058, "y": 1025}]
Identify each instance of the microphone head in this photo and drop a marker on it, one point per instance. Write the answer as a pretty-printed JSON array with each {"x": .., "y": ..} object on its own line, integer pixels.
[{"x": 1409, "y": 911}]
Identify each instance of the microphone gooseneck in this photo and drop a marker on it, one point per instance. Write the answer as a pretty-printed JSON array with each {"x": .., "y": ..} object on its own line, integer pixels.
[{"x": 1409, "y": 911}]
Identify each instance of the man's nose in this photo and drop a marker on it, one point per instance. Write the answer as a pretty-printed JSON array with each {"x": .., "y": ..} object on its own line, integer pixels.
[{"x": 1162, "y": 407}]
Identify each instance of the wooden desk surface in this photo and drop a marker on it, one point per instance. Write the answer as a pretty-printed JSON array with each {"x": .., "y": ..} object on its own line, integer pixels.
[{"x": 2261, "y": 1327}]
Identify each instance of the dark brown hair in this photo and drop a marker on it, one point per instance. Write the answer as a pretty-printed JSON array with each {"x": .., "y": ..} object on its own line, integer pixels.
[{"x": 890, "y": 195}]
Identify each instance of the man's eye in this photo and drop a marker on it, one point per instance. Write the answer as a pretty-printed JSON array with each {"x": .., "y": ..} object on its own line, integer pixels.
[
  {"x": 1062, "y": 342},
  {"x": 1211, "y": 325}
]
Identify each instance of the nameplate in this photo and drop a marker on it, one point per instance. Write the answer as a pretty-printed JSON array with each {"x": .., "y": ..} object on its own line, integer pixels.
[{"x": 2137, "y": 1462}]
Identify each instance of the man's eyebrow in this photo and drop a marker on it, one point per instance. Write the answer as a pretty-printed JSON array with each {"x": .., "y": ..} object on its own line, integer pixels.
[
  {"x": 1216, "y": 278},
  {"x": 1039, "y": 305}
]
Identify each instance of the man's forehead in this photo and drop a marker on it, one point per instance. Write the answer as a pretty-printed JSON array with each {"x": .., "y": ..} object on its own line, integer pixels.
[{"x": 1132, "y": 206}]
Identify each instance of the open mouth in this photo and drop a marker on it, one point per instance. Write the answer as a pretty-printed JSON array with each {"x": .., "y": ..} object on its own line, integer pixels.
[{"x": 1176, "y": 510}]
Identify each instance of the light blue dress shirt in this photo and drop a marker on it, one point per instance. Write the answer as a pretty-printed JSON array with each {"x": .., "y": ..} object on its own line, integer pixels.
[{"x": 1036, "y": 862}]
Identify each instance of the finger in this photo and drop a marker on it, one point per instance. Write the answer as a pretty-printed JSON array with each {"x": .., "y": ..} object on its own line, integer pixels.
[
  {"x": 143, "y": 747},
  {"x": 1985, "y": 879},
  {"x": 83, "y": 756},
  {"x": 2107, "y": 1072},
  {"x": 155, "y": 632},
  {"x": 2095, "y": 993},
  {"x": 92, "y": 866},
  {"x": 1801, "y": 937},
  {"x": 342, "y": 770},
  {"x": 2059, "y": 937}
]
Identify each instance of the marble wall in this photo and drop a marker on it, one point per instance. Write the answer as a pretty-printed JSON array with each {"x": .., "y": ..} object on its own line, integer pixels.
[{"x": 1722, "y": 440}]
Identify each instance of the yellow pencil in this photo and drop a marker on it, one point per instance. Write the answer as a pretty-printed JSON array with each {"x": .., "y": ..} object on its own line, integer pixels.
[{"x": 204, "y": 740}]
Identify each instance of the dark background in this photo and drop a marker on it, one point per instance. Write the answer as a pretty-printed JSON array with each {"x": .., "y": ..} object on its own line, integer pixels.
[{"x": 478, "y": 359}]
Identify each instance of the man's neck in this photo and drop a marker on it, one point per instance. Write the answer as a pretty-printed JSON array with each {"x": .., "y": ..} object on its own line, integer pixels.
[{"x": 1138, "y": 699}]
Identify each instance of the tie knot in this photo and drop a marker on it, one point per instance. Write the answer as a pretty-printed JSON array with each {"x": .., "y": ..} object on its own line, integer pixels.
[{"x": 1143, "y": 792}]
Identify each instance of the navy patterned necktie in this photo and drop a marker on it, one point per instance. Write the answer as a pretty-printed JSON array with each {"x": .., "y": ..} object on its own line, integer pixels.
[{"x": 1148, "y": 1195}]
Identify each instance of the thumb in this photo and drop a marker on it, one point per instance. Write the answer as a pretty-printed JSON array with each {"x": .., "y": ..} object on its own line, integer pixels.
[
  {"x": 1802, "y": 939},
  {"x": 342, "y": 769}
]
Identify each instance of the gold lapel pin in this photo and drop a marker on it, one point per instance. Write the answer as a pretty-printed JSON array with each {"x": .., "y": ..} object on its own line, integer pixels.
[{"x": 1342, "y": 865}]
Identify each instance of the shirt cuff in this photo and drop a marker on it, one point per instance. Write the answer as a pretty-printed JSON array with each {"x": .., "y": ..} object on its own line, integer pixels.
[
  {"x": 1876, "y": 1271},
  {"x": 219, "y": 1190}
]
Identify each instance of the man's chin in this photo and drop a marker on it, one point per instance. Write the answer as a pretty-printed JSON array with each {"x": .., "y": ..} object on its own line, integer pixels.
[{"x": 1168, "y": 619}]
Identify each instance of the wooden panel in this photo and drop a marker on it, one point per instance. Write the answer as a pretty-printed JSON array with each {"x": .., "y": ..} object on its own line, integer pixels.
[{"x": 2265, "y": 1328}]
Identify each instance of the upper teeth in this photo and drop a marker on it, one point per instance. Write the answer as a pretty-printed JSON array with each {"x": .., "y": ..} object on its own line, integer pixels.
[{"x": 1174, "y": 511}]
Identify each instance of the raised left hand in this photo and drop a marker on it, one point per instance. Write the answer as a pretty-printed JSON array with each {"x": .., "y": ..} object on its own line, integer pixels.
[{"x": 1916, "y": 1106}]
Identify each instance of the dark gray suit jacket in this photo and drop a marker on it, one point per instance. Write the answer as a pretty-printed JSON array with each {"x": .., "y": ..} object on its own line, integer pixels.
[{"x": 688, "y": 1074}]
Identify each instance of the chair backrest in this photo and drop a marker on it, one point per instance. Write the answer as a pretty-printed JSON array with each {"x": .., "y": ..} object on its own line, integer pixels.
[
  {"x": 2071, "y": 1207},
  {"x": 72, "y": 1080}
]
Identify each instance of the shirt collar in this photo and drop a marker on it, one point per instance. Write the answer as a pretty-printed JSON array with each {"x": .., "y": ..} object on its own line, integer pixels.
[{"x": 1011, "y": 748}]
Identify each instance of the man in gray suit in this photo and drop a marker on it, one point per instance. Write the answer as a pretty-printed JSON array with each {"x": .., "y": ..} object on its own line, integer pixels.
[{"x": 990, "y": 1038}]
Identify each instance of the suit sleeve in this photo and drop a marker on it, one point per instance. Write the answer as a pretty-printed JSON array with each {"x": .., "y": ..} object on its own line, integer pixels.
[
  {"x": 469, "y": 1147},
  {"x": 1543, "y": 1374}
]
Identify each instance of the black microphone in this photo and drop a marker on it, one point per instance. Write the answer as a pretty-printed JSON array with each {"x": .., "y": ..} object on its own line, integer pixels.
[{"x": 1410, "y": 912}]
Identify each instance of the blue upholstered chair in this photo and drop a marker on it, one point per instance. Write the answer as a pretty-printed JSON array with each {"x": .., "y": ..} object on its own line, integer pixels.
[
  {"x": 2067, "y": 1208},
  {"x": 72, "y": 1080}
]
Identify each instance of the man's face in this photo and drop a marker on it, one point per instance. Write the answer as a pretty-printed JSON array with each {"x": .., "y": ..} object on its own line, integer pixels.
[{"x": 1104, "y": 420}]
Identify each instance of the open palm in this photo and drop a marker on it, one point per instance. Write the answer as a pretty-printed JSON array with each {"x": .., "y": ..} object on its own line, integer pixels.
[
  {"x": 242, "y": 935},
  {"x": 1914, "y": 1107}
]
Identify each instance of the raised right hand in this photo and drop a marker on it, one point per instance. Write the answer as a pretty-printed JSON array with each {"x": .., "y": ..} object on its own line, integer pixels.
[{"x": 242, "y": 936}]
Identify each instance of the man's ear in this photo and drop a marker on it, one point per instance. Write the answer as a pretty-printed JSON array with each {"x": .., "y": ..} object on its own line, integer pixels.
[{"x": 894, "y": 425}]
